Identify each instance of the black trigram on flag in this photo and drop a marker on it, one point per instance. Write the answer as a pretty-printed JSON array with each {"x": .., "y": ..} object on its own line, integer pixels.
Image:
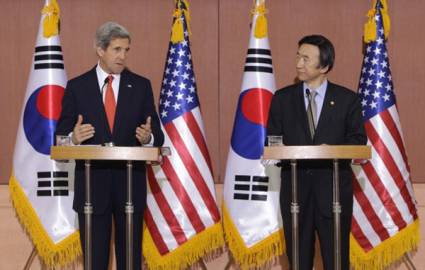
[
  {"x": 52, "y": 183},
  {"x": 47, "y": 57},
  {"x": 259, "y": 60},
  {"x": 252, "y": 188}
]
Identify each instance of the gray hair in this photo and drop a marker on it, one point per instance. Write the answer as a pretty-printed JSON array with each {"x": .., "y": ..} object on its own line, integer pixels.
[{"x": 109, "y": 31}]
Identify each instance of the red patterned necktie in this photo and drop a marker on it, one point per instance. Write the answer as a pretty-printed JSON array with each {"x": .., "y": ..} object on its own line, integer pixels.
[{"x": 110, "y": 104}]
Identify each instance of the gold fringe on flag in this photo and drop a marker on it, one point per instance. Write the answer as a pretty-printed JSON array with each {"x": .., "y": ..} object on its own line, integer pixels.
[
  {"x": 53, "y": 255},
  {"x": 370, "y": 25},
  {"x": 258, "y": 255},
  {"x": 203, "y": 245},
  {"x": 260, "y": 30},
  {"x": 51, "y": 20},
  {"x": 177, "y": 33},
  {"x": 388, "y": 252}
]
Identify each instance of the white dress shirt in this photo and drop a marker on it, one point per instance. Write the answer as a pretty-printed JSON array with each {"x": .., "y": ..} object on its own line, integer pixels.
[
  {"x": 320, "y": 97},
  {"x": 101, "y": 76}
]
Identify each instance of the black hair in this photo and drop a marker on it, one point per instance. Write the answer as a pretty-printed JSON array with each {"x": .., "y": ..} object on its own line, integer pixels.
[{"x": 326, "y": 49}]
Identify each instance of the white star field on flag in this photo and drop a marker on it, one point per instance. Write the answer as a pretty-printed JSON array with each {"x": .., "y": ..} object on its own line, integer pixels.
[
  {"x": 178, "y": 87},
  {"x": 376, "y": 86}
]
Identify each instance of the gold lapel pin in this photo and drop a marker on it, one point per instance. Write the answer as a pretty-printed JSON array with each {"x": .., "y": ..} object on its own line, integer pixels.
[{"x": 332, "y": 103}]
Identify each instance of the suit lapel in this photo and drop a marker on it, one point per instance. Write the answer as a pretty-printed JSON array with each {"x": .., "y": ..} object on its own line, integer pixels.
[
  {"x": 93, "y": 89},
  {"x": 327, "y": 109},
  {"x": 124, "y": 98}
]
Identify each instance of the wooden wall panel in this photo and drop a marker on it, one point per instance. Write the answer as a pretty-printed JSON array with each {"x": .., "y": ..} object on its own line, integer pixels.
[
  {"x": 18, "y": 26},
  {"x": 220, "y": 31},
  {"x": 149, "y": 22},
  {"x": 407, "y": 56},
  {"x": 234, "y": 37},
  {"x": 342, "y": 22}
]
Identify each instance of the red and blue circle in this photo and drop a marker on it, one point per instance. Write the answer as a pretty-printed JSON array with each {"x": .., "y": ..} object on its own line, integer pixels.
[
  {"x": 41, "y": 114},
  {"x": 249, "y": 131}
]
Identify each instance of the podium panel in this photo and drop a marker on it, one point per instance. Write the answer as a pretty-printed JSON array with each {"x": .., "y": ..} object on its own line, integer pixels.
[
  {"x": 311, "y": 152},
  {"x": 97, "y": 152},
  {"x": 317, "y": 152}
]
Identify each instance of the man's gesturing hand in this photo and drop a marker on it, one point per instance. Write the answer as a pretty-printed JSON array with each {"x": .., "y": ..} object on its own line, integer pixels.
[
  {"x": 144, "y": 131},
  {"x": 81, "y": 131}
]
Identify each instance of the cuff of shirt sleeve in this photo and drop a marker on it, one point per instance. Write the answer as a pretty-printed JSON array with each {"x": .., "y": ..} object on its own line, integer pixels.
[
  {"x": 150, "y": 143},
  {"x": 70, "y": 139}
]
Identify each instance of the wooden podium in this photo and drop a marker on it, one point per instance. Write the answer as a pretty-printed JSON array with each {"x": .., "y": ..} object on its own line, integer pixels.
[
  {"x": 88, "y": 153},
  {"x": 332, "y": 152}
]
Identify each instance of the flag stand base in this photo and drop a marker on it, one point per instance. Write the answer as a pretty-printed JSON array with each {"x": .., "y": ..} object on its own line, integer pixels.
[
  {"x": 408, "y": 262},
  {"x": 30, "y": 259},
  {"x": 202, "y": 264},
  {"x": 229, "y": 263}
]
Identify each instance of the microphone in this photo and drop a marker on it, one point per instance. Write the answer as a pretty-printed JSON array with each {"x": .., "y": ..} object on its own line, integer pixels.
[
  {"x": 308, "y": 94},
  {"x": 105, "y": 82},
  {"x": 307, "y": 91}
]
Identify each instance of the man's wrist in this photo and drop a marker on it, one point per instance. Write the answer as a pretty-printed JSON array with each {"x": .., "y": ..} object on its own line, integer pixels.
[
  {"x": 73, "y": 140},
  {"x": 149, "y": 141}
]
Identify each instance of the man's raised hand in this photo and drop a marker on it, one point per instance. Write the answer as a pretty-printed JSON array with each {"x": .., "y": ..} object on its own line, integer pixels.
[
  {"x": 81, "y": 131},
  {"x": 144, "y": 131}
]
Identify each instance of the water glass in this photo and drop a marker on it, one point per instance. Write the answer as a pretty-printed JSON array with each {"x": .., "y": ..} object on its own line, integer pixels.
[
  {"x": 275, "y": 140},
  {"x": 62, "y": 140}
]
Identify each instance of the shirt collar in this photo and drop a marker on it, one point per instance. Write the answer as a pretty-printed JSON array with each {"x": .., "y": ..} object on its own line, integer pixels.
[
  {"x": 101, "y": 74},
  {"x": 321, "y": 90}
]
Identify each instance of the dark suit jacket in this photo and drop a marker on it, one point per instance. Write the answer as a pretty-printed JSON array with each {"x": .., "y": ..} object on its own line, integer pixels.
[
  {"x": 135, "y": 104},
  {"x": 340, "y": 123}
]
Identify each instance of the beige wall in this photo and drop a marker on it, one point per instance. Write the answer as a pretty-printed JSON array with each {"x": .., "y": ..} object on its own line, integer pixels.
[{"x": 220, "y": 31}]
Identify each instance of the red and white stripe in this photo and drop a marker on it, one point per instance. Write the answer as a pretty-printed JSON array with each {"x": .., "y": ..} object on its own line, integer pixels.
[
  {"x": 181, "y": 198},
  {"x": 384, "y": 202}
]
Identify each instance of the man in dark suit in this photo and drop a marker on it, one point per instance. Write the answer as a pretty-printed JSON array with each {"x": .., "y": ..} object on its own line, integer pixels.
[
  {"x": 110, "y": 104},
  {"x": 314, "y": 112}
]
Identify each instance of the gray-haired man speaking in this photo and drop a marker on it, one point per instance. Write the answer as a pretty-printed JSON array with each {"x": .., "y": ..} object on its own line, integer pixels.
[{"x": 108, "y": 104}]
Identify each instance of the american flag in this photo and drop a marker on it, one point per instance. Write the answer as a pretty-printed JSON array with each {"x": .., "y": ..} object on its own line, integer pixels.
[
  {"x": 384, "y": 201},
  {"x": 181, "y": 197}
]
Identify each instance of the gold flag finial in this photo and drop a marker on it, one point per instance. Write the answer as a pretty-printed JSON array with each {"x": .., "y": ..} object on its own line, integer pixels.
[
  {"x": 370, "y": 25},
  {"x": 260, "y": 10},
  {"x": 177, "y": 31},
  {"x": 51, "y": 20}
]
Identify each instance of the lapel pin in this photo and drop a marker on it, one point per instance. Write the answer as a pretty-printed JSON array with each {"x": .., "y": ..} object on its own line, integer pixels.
[
  {"x": 129, "y": 85},
  {"x": 332, "y": 103}
]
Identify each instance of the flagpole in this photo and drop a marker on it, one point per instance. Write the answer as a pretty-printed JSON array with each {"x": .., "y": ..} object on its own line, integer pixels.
[{"x": 30, "y": 259}]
